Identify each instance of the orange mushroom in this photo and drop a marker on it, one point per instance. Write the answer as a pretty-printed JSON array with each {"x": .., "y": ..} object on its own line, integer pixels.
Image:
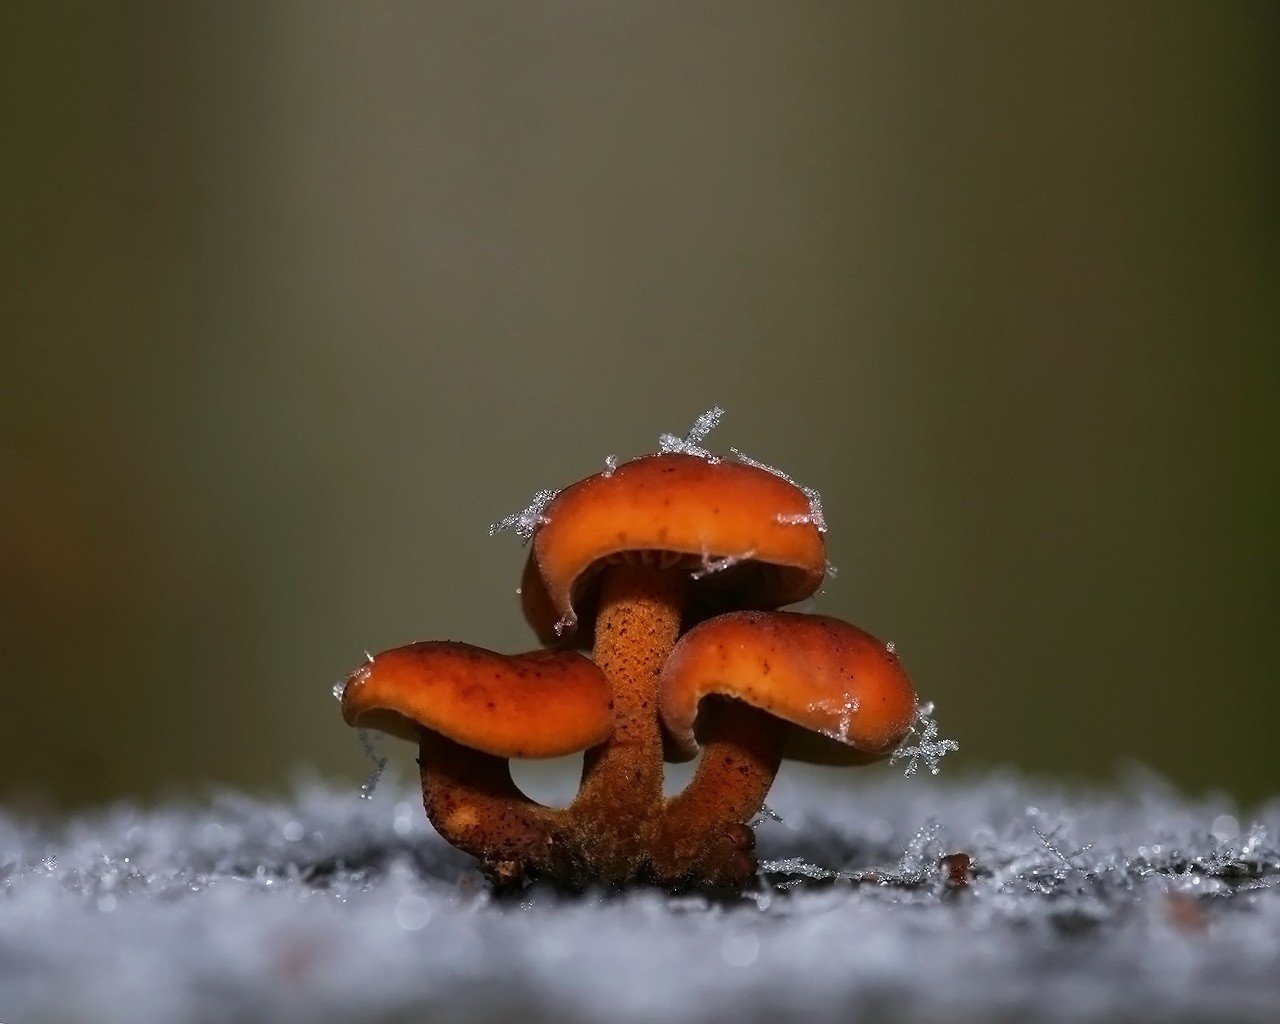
[
  {"x": 810, "y": 687},
  {"x": 622, "y": 562},
  {"x": 745, "y": 534},
  {"x": 622, "y": 559},
  {"x": 470, "y": 710}
]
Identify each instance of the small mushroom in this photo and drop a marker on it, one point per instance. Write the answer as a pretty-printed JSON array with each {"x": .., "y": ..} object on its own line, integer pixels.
[
  {"x": 746, "y": 532},
  {"x": 809, "y": 687},
  {"x": 470, "y": 710},
  {"x": 622, "y": 560}
]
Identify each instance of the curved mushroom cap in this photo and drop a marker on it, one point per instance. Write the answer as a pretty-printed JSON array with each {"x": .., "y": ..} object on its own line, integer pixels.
[
  {"x": 847, "y": 693},
  {"x": 539, "y": 704},
  {"x": 673, "y": 508}
]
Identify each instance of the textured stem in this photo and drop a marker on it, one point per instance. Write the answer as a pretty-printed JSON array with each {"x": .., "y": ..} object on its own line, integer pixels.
[
  {"x": 705, "y": 831},
  {"x": 475, "y": 805},
  {"x": 636, "y": 626}
]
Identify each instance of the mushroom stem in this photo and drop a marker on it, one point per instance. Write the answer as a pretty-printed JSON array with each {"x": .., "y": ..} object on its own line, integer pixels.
[
  {"x": 475, "y": 805},
  {"x": 705, "y": 826},
  {"x": 636, "y": 626}
]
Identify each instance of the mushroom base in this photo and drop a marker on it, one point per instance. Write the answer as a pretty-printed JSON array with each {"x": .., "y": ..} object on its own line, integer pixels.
[
  {"x": 476, "y": 806},
  {"x": 699, "y": 839}
]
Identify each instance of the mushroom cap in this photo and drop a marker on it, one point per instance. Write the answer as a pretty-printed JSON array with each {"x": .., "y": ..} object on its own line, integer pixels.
[
  {"x": 845, "y": 691},
  {"x": 539, "y": 704},
  {"x": 672, "y": 508}
]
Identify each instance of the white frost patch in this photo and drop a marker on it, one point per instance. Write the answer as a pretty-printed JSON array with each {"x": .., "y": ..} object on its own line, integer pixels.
[
  {"x": 921, "y": 855},
  {"x": 320, "y": 906},
  {"x": 1069, "y": 861},
  {"x": 915, "y": 867},
  {"x": 691, "y": 443},
  {"x": 525, "y": 523},
  {"x": 1044, "y": 867},
  {"x": 927, "y": 747},
  {"x": 714, "y": 565},
  {"x": 815, "y": 515}
]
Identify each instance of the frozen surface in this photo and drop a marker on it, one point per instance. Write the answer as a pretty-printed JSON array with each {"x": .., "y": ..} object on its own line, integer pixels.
[{"x": 1125, "y": 904}]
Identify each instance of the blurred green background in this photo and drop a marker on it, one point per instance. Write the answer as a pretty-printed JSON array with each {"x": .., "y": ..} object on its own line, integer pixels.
[{"x": 299, "y": 297}]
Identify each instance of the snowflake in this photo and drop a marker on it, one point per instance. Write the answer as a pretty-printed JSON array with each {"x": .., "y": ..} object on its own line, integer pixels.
[
  {"x": 927, "y": 747},
  {"x": 525, "y": 522},
  {"x": 691, "y": 443}
]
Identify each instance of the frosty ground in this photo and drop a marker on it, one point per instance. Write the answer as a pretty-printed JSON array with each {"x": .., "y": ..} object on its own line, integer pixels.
[{"x": 1123, "y": 903}]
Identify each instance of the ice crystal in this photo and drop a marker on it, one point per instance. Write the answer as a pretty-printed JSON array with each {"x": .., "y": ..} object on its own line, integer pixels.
[
  {"x": 925, "y": 745},
  {"x": 715, "y": 565},
  {"x": 796, "y": 866},
  {"x": 691, "y": 443},
  {"x": 370, "y": 744},
  {"x": 920, "y": 855},
  {"x": 766, "y": 813},
  {"x": 814, "y": 516},
  {"x": 844, "y": 709},
  {"x": 1041, "y": 864},
  {"x": 771, "y": 814},
  {"x": 610, "y": 465},
  {"x": 524, "y": 524},
  {"x": 915, "y": 866}
]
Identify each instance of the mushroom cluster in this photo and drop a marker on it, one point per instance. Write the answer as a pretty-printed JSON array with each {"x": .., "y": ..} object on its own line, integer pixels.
[{"x": 670, "y": 569}]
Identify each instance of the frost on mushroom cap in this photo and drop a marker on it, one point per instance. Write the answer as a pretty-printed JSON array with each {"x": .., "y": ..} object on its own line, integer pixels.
[
  {"x": 668, "y": 508},
  {"x": 539, "y": 704},
  {"x": 845, "y": 690}
]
